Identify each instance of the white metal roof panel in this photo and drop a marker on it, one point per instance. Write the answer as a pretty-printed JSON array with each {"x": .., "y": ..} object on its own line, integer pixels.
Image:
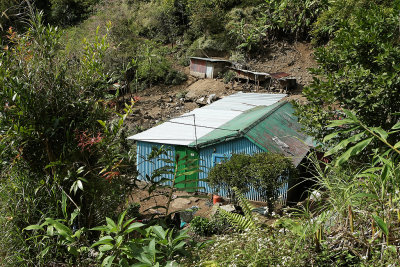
[{"x": 189, "y": 127}]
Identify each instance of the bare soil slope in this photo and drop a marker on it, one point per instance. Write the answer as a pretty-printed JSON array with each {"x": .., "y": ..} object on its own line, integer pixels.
[{"x": 160, "y": 103}]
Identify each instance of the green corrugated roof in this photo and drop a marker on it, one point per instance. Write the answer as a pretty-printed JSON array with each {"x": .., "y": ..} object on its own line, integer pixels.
[
  {"x": 281, "y": 133},
  {"x": 273, "y": 128},
  {"x": 235, "y": 127}
]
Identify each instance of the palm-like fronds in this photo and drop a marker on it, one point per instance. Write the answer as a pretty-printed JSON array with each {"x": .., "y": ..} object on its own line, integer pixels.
[{"x": 240, "y": 222}]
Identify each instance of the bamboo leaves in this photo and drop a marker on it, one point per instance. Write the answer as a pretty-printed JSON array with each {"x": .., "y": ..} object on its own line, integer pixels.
[{"x": 362, "y": 136}]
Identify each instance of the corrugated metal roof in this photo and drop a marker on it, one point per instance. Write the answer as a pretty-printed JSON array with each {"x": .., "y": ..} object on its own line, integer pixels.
[
  {"x": 234, "y": 128},
  {"x": 252, "y": 72},
  {"x": 210, "y": 59},
  {"x": 273, "y": 128},
  {"x": 280, "y": 132},
  {"x": 278, "y": 75},
  {"x": 181, "y": 130}
]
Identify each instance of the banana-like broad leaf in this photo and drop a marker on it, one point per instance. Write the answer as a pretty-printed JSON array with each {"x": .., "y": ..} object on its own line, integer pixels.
[
  {"x": 334, "y": 134},
  {"x": 62, "y": 230},
  {"x": 103, "y": 241},
  {"x": 396, "y": 126},
  {"x": 112, "y": 226},
  {"x": 33, "y": 227},
  {"x": 107, "y": 262},
  {"x": 159, "y": 231},
  {"x": 121, "y": 218},
  {"x": 133, "y": 227},
  {"x": 382, "y": 225}
]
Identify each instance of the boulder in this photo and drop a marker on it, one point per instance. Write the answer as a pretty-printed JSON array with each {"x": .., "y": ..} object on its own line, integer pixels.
[
  {"x": 228, "y": 208},
  {"x": 211, "y": 98},
  {"x": 180, "y": 203}
]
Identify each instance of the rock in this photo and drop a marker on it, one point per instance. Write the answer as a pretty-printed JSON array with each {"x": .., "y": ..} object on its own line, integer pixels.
[
  {"x": 201, "y": 101},
  {"x": 194, "y": 199},
  {"x": 170, "y": 99},
  {"x": 211, "y": 98},
  {"x": 177, "y": 108},
  {"x": 214, "y": 209},
  {"x": 153, "y": 211},
  {"x": 228, "y": 208},
  {"x": 180, "y": 203}
]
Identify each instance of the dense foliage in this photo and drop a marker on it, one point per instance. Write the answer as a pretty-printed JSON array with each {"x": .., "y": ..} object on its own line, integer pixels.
[
  {"x": 56, "y": 147},
  {"x": 65, "y": 164},
  {"x": 263, "y": 171},
  {"x": 357, "y": 70}
]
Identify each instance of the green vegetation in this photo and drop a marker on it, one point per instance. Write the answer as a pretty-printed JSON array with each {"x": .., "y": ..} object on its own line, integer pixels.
[
  {"x": 238, "y": 221},
  {"x": 59, "y": 156},
  {"x": 117, "y": 243},
  {"x": 358, "y": 70},
  {"x": 263, "y": 172},
  {"x": 66, "y": 169},
  {"x": 201, "y": 226}
]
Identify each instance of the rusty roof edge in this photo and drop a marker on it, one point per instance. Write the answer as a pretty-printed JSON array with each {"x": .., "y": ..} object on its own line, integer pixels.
[{"x": 269, "y": 113}]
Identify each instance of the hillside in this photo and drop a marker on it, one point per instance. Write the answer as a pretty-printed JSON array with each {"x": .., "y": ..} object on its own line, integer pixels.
[
  {"x": 77, "y": 77},
  {"x": 162, "y": 102}
]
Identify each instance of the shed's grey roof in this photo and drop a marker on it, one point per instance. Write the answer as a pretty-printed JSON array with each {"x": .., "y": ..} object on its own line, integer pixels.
[
  {"x": 181, "y": 130},
  {"x": 211, "y": 59},
  {"x": 252, "y": 72}
]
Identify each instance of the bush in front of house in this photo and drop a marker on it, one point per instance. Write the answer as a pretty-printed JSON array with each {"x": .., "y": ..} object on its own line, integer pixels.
[
  {"x": 265, "y": 172},
  {"x": 232, "y": 173}
]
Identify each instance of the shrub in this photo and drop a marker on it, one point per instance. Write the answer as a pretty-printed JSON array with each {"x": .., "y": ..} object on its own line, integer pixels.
[
  {"x": 219, "y": 224},
  {"x": 228, "y": 76},
  {"x": 201, "y": 226},
  {"x": 232, "y": 173},
  {"x": 266, "y": 172},
  {"x": 264, "y": 247},
  {"x": 357, "y": 70},
  {"x": 133, "y": 210},
  {"x": 62, "y": 151},
  {"x": 175, "y": 77},
  {"x": 335, "y": 16},
  {"x": 68, "y": 12},
  {"x": 292, "y": 19}
]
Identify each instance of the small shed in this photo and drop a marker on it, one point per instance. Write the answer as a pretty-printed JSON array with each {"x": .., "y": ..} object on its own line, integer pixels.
[
  {"x": 241, "y": 123},
  {"x": 251, "y": 75},
  {"x": 255, "y": 76},
  {"x": 207, "y": 67}
]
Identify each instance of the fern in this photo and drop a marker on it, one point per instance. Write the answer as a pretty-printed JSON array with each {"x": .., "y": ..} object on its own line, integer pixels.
[{"x": 238, "y": 221}]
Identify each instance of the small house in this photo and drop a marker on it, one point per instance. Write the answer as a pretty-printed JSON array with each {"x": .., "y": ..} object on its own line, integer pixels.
[
  {"x": 241, "y": 123},
  {"x": 207, "y": 67}
]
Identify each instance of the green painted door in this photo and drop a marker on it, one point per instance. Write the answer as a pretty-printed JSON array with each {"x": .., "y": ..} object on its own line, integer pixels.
[{"x": 188, "y": 160}]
